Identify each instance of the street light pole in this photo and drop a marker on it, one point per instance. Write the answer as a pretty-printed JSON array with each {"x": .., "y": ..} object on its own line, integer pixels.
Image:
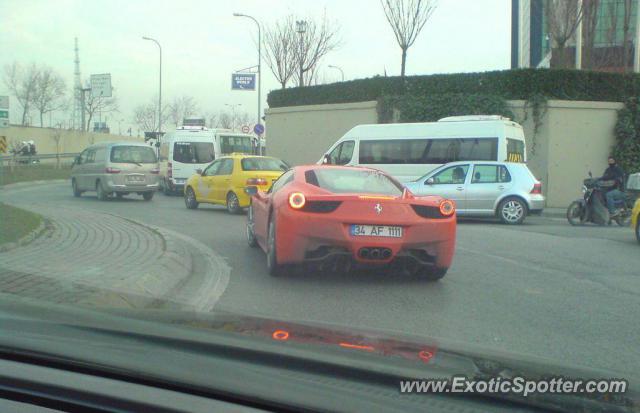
[
  {"x": 301, "y": 27},
  {"x": 159, "y": 92},
  {"x": 259, "y": 80},
  {"x": 340, "y": 69}
]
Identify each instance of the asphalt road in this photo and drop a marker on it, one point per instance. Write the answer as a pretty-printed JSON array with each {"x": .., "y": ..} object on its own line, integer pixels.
[{"x": 544, "y": 288}]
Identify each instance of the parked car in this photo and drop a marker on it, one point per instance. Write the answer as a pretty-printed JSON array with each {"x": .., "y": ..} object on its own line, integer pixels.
[
  {"x": 483, "y": 188},
  {"x": 336, "y": 217},
  {"x": 224, "y": 181},
  {"x": 116, "y": 168}
]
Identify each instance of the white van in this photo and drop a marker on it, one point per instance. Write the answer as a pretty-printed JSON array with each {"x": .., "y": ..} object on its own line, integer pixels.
[
  {"x": 410, "y": 150},
  {"x": 189, "y": 148}
]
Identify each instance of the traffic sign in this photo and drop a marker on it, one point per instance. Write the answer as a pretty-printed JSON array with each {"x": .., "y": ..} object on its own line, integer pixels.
[
  {"x": 243, "y": 81},
  {"x": 258, "y": 129},
  {"x": 246, "y": 129},
  {"x": 101, "y": 85},
  {"x": 3, "y": 144}
]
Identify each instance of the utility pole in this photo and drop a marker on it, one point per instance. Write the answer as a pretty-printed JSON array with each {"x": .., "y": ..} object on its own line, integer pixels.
[
  {"x": 78, "y": 107},
  {"x": 636, "y": 54},
  {"x": 301, "y": 28},
  {"x": 579, "y": 38},
  {"x": 159, "y": 93}
]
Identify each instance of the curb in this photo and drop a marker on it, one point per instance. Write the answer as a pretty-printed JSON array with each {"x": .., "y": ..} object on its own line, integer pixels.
[
  {"x": 30, "y": 237},
  {"x": 18, "y": 185}
]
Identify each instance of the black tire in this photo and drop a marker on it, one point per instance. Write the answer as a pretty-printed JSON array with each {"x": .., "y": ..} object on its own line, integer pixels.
[
  {"x": 147, "y": 196},
  {"x": 250, "y": 232},
  {"x": 512, "y": 211},
  {"x": 623, "y": 220},
  {"x": 101, "y": 193},
  {"x": 638, "y": 230},
  {"x": 119, "y": 195},
  {"x": 74, "y": 186},
  {"x": 575, "y": 213},
  {"x": 432, "y": 273},
  {"x": 190, "y": 198},
  {"x": 273, "y": 267},
  {"x": 233, "y": 203}
]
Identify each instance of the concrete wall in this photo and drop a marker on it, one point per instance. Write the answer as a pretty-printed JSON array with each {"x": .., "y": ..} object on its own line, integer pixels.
[
  {"x": 302, "y": 134},
  {"x": 575, "y": 137},
  {"x": 70, "y": 140}
]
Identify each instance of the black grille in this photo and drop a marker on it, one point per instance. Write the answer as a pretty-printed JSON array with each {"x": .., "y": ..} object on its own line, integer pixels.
[
  {"x": 321, "y": 206},
  {"x": 427, "y": 211}
]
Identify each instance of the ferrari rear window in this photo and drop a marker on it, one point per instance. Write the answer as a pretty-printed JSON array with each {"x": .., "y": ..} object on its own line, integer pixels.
[{"x": 342, "y": 181}]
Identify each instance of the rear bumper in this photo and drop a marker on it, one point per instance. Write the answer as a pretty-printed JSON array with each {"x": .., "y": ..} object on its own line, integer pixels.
[
  {"x": 536, "y": 204},
  {"x": 316, "y": 237},
  {"x": 111, "y": 186}
]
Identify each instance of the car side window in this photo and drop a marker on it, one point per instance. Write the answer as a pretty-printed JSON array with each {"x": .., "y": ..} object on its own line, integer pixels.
[
  {"x": 334, "y": 155},
  {"x": 346, "y": 152},
  {"x": 83, "y": 157},
  {"x": 226, "y": 167},
  {"x": 453, "y": 175},
  {"x": 489, "y": 174},
  {"x": 211, "y": 169},
  {"x": 284, "y": 179},
  {"x": 91, "y": 156}
]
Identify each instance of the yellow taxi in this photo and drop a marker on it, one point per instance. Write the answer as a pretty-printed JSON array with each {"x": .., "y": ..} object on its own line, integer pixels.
[
  {"x": 635, "y": 219},
  {"x": 224, "y": 180}
]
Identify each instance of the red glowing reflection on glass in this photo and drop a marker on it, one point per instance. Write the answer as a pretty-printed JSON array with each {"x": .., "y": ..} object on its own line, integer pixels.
[
  {"x": 425, "y": 355},
  {"x": 280, "y": 335}
]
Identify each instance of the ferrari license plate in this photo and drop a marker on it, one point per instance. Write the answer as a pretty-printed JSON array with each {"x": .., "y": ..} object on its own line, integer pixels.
[{"x": 376, "y": 231}]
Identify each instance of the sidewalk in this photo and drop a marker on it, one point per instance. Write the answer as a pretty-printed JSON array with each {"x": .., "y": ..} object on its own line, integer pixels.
[{"x": 91, "y": 258}]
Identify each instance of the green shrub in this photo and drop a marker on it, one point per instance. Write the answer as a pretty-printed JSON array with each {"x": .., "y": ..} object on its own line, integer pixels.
[
  {"x": 627, "y": 131},
  {"x": 508, "y": 84},
  {"x": 430, "y": 108}
]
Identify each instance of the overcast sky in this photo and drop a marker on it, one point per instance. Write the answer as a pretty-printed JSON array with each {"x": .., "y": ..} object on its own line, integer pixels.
[{"x": 202, "y": 43}]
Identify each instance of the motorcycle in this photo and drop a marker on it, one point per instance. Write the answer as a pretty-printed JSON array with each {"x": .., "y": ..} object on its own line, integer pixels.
[{"x": 593, "y": 206}]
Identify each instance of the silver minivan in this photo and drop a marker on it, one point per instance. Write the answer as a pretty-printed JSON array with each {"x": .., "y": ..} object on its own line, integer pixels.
[
  {"x": 116, "y": 169},
  {"x": 485, "y": 188}
]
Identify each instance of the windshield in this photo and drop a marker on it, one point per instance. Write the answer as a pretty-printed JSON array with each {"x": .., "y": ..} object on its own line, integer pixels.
[
  {"x": 193, "y": 152},
  {"x": 235, "y": 144},
  {"x": 353, "y": 181},
  {"x": 263, "y": 164},
  {"x": 271, "y": 159},
  {"x": 133, "y": 154}
]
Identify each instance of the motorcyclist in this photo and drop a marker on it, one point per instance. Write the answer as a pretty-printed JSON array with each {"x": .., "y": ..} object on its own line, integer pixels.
[{"x": 614, "y": 175}]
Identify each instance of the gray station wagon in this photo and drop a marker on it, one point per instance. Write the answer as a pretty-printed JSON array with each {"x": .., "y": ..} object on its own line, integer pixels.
[
  {"x": 485, "y": 188},
  {"x": 116, "y": 169}
]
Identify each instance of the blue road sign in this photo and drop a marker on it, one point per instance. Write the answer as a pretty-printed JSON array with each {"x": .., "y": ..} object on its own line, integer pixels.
[
  {"x": 258, "y": 129},
  {"x": 243, "y": 81}
]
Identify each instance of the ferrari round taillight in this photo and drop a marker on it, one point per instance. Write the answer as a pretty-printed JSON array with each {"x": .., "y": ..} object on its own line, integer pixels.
[
  {"x": 447, "y": 208},
  {"x": 297, "y": 200}
]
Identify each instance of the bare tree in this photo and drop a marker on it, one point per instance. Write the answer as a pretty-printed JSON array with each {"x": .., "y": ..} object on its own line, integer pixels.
[
  {"x": 210, "y": 120},
  {"x": 316, "y": 41},
  {"x": 589, "y": 26},
  {"x": 145, "y": 117},
  {"x": 279, "y": 45},
  {"x": 22, "y": 84},
  {"x": 225, "y": 120},
  {"x": 182, "y": 107},
  {"x": 242, "y": 118},
  {"x": 563, "y": 18},
  {"x": 407, "y": 18},
  {"x": 99, "y": 105},
  {"x": 49, "y": 93}
]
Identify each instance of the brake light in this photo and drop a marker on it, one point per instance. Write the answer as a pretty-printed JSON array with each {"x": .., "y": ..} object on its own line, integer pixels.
[
  {"x": 297, "y": 200},
  {"x": 169, "y": 170},
  {"x": 537, "y": 189},
  {"x": 111, "y": 170},
  {"x": 256, "y": 181},
  {"x": 447, "y": 208},
  {"x": 155, "y": 171}
]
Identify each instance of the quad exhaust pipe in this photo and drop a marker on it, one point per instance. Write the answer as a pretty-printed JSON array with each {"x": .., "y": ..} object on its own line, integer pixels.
[{"x": 375, "y": 253}]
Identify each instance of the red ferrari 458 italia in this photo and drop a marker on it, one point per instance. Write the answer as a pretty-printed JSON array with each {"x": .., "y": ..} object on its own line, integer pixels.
[{"x": 338, "y": 216}]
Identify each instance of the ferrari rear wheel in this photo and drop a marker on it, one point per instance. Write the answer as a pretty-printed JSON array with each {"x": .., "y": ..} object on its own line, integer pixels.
[
  {"x": 274, "y": 268},
  {"x": 433, "y": 273}
]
